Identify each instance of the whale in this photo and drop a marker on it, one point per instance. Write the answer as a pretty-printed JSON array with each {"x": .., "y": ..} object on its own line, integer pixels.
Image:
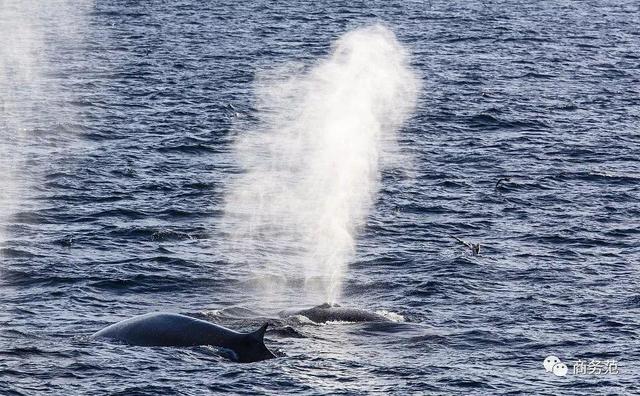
[
  {"x": 174, "y": 330},
  {"x": 329, "y": 313}
]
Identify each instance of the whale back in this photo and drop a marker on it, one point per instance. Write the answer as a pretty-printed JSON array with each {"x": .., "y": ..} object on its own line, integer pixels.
[
  {"x": 166, "y": 329},
  {"x": 328, "y": 313}
]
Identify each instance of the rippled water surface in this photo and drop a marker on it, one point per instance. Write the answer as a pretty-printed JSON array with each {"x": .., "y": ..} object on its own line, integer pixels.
[{"x": 117, "y": 147}]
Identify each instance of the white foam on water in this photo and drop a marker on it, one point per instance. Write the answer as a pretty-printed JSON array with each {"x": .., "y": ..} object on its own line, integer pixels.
[{"x": 392, "y": 316}]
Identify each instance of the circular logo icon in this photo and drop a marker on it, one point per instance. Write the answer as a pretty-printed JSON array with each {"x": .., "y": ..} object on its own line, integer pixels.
[
  {"x": 549, "y": 362},
  {"x": 560, "y": 369}
]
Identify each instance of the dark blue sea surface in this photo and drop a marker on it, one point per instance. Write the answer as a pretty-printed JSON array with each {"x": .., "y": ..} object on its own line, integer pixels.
[{"x": 120, "y": 155}]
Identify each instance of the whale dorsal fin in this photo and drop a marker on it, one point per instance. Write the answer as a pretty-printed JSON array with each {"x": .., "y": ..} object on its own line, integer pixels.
[{"x": 259, "y": 334}]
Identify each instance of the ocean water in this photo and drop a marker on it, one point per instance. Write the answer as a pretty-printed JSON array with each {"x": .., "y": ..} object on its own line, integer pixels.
[{"x": 118, "y": 123}]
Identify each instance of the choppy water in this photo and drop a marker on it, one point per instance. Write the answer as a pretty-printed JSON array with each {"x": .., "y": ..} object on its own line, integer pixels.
[{"x": 116, "y": 157}]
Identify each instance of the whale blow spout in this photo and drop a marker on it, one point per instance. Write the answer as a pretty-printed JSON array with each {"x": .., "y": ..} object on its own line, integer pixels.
[
  {"x": 311, "y": 165},
  {"x": 167, "y": 329}
]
